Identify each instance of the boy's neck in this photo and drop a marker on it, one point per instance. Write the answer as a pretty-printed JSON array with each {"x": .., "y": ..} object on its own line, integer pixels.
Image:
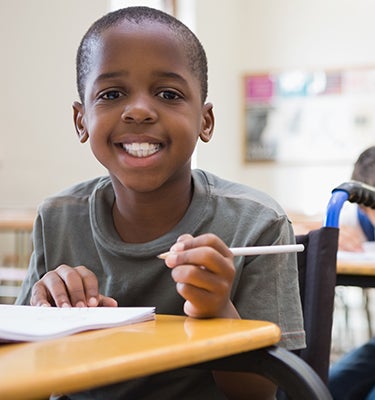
[{"x": 140, "y": 217}]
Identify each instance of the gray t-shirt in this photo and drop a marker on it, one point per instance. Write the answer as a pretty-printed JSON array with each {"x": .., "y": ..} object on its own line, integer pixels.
[{"x": 76, "y": 227}]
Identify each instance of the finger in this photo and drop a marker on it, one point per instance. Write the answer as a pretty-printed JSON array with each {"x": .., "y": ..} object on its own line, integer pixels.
[
  {"x": 39, "y": 296},
  {"x": 56, "y": 289},
  {"x": 199, "y": 303},
  {"x": 206, "y": 257},
  {"x": 72, "y": 279},
  {"x": 206, "y": 294},
  {"x": 183, "y": 237},
  {"x": 202, "y": 278},
  {"x": 107, "y": 301},
  {"x": 90, "y": 286},
  {"x": 186, "y": 242}
]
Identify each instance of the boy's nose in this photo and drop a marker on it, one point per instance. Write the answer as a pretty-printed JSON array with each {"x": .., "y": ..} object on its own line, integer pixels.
[{"x": 138, "y": 111}]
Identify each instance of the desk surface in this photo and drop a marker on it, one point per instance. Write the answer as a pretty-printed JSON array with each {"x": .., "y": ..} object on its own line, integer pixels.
[
  {"x": 351, "y": 272},
  {"x": 77, "y": 362},
  {"x": 352, "y": 267}
]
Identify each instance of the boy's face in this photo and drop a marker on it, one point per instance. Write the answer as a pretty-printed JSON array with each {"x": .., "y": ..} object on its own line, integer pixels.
[{"x": 143, "y": 112}]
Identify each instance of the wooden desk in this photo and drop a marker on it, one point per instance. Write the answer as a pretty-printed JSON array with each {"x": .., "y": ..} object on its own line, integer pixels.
[
  {"x": 78, "y": 362},
  {"x": 356, "y": 273},
  {"x": 360, "y": 273}
]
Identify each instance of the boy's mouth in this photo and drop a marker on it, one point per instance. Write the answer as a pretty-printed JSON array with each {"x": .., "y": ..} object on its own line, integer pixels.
[{"x": 141, "y": 149}]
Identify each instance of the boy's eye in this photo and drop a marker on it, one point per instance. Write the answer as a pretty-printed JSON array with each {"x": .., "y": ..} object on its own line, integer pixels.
[
  {"x": 169, "y": 95},
  {"x": 111, "y": 95}
]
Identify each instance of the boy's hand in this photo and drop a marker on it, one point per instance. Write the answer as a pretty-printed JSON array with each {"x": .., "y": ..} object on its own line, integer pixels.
[
  {"x": 69, "y": 287},
  {"x": 203, "y": 270}
]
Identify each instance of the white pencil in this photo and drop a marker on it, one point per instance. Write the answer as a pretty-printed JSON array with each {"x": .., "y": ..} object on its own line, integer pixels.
[{"x": 257, "y": 250}]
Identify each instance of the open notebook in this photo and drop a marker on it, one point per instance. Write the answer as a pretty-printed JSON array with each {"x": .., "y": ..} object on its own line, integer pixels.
[{"x": 28, "y": 323}]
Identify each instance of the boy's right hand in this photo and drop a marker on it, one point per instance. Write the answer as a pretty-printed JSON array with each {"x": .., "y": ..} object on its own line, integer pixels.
[{"x": 69, "y": 287}]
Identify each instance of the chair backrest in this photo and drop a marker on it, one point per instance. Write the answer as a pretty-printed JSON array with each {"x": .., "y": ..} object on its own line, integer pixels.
[
  {"x": 317, "y": 279},
  {"x": 317, "y": 275}
]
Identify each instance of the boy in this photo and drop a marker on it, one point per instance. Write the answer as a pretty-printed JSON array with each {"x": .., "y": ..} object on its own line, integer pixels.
[{"x": 142, "y": 81}]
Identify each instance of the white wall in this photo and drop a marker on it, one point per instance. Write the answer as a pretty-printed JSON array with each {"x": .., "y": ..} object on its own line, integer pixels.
[
  {"x": 39, "y": 153},
  {"x": 266, "y": 35}
]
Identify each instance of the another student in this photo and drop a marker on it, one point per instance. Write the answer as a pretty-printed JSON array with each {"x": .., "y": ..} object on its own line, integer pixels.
[
  {"x": 357, "y": 223},
  {"x": 353, "y": 376},
  {"x": 142, "y": 82}
]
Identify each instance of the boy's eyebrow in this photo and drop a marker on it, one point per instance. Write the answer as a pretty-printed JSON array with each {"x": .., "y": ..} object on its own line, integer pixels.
[
  {"x": 109, "y": 75},
  {"x": 159, "y": 74},
  {"x": 173, "y": 75}
]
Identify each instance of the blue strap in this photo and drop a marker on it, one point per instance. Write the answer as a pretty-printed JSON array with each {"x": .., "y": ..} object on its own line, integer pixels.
[{"x": 366, "y": 225}]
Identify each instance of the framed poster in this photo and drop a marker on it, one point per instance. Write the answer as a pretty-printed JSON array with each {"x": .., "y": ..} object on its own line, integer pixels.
[{"x": 309, "y": 116}]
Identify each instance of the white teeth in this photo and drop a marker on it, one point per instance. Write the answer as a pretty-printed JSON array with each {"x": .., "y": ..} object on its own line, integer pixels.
[{"x": 141, "y": 149}]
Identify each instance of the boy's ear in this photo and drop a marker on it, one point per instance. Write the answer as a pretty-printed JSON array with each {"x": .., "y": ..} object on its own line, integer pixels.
[
  {"x": 208, "y": 122},
  {"x": 79, "y": 122}
]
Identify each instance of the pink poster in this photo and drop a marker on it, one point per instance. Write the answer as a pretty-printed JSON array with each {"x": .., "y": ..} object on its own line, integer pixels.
[{"x": 259, "y": 88}]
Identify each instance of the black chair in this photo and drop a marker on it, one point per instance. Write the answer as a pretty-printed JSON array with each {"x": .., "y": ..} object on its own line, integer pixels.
[
  {"x": 318, "y": 275},
  {"x": 303, "y": 374}
]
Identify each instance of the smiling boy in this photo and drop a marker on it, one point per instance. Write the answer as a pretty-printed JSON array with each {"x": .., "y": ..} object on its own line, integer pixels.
[{"x": 142, "y": 81}]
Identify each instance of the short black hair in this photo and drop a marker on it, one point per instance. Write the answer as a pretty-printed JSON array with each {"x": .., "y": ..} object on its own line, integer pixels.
[
  {"x": 364, "y": 167},
  {"x": 194, "y": 50}
]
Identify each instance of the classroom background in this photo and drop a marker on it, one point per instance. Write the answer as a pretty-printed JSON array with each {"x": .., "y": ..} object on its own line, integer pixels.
[
  {"x": 39, "y": 150},
  {"x": 40, "y": 153}
]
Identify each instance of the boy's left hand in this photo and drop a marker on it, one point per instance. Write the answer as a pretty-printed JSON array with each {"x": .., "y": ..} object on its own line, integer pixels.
[{"x": 203, "y": 270}]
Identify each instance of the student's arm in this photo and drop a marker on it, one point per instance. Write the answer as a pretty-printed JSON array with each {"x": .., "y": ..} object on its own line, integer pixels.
[
  {"x": 69, "y": 287},
  {"x": 203, "y": 270},
  {"x": 350, "y": 238}
]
